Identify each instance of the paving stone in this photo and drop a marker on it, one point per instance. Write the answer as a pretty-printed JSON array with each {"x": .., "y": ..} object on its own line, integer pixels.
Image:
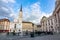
[{"x": 45, "y": 37}]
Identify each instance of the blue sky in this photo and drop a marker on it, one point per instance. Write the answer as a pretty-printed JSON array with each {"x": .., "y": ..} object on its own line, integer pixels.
[
  {"x": 46, "y": 5},
  {"x": 33, "y": 10}
]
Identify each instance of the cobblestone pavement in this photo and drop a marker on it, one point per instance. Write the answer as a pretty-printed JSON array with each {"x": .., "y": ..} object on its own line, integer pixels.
[{"x": 46, "y": 37}]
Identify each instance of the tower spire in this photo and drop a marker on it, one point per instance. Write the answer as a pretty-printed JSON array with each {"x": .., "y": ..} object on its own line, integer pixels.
[{"x": 21, "y": 8}]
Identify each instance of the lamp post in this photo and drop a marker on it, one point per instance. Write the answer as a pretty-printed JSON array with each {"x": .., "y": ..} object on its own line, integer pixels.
[{"x": 33, "y": 30}]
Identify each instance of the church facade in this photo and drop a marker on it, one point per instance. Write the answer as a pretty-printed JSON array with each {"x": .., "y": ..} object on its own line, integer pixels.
[{"x": 22, "y": 26}]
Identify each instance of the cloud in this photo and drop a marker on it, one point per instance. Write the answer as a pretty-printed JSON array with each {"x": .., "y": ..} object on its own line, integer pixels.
[
  {"x": 8, "y": 1},
  {"x": 6, "y": 9},
  {"x": 33, "y": 13}
]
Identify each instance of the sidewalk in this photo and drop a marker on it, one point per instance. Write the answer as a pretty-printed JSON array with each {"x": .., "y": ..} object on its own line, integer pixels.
[{"x": 45, "y": 37}]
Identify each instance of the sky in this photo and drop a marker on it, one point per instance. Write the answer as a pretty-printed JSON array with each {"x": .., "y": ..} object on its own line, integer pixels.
[{"x": 33, "y": 10}]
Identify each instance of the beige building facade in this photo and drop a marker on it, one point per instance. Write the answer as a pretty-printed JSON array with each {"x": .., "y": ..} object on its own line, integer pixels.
[
  {"x": 39, "y": 28},
  {"x": 4, "y": 25},
  {"x": 27, "y": 26}
]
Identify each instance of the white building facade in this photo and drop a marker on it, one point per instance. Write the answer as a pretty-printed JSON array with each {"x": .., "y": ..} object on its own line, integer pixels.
[
  {"x": 48, "y": 24},
  {"x": 56, "y": 14},
  {"x": 16, "y": 26}
]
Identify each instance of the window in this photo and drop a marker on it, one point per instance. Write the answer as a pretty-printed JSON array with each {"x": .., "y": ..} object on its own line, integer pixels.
[
  {"x": 51, "y": 26},
  {"x": 43, "y": 23},
  {"x": 51, "y": 21},
  {"x": 48, "y": 22},
  {"x": 55, "y": 18}
]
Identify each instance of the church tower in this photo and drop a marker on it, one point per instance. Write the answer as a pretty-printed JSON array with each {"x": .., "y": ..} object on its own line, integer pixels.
[
  {"x": 19, "y": 24},
  {"x": 20, "y": 15}
]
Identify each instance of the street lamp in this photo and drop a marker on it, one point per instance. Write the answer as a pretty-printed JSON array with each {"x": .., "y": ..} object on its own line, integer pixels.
[{"x": 33, "y": 30}]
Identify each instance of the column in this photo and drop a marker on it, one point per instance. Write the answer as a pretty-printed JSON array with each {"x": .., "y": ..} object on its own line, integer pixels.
[{"x": 57, "y": 23}]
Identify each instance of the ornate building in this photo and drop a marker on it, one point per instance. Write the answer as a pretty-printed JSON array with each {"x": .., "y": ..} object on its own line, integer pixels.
[
  {"x": 48, "y": 24},
  {"x": 16, "y": 26},
  {"x": 28, "y": 27},
  {"x": 43, "y": 23},
  {"x": 51, "y": 24},
  {"x": 56, "y": 14},
  {"x": 18, "y": 23},
  {"x": 22, "y": 26},
  {"x": 4, "y": 25},
  {"x": 39, "y": 28}
]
